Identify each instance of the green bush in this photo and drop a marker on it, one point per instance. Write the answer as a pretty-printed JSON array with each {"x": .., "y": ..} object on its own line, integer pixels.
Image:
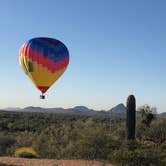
[{"x": 139, "y": 157}]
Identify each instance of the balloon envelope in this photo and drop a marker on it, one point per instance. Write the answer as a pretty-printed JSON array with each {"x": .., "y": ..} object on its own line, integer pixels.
[{"x": 44, "y": 60}]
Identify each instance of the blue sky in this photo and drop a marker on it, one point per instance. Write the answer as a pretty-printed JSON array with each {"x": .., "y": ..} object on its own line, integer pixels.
[{"x": 116, "y": 48}]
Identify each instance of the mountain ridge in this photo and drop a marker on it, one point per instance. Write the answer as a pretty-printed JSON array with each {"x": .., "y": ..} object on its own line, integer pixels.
[
  {"x": 80, "y": 110},
  {"x": 118, "y": 110}
]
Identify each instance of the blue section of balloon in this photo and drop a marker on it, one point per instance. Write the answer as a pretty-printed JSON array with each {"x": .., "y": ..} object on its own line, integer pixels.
[{"x": 55, "y": 50}]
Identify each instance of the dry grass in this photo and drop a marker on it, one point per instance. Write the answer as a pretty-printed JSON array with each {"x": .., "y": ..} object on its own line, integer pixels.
[{"x": 12, "y": 161}]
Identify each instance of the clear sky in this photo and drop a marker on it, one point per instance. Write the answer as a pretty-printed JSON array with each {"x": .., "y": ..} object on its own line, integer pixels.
[{"x": 117, "y": 48}]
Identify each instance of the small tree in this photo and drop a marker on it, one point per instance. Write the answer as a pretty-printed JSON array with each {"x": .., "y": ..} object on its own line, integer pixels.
[
  {"x": 148, "y": 114},
  {"x": 130, "y": 117}
]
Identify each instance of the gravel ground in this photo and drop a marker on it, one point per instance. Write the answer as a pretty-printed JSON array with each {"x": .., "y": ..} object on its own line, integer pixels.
[{"x": 12, "y": 161}]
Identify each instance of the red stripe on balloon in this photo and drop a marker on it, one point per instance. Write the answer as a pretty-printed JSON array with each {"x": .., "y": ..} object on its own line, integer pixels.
[
  {"x": 39, "y": 58},
  {"x": 21, "y": 51},
  {"x": 43, "y": 89}
]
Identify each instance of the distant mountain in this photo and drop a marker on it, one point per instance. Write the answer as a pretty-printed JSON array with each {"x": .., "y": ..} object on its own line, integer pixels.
[
  {"x": 78, "y": 110},
  {"x": 33, "y": 109},
  {"x": 118, "y": 109},
  {"x": 12, "y": 109},
  {"x": 81, "y": 108},
  {"x": 162, "y": 115},
  {"x": 40, "y": 109}
]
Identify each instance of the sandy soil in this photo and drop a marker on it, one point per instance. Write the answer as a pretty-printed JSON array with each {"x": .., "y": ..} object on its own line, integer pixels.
[{"x": 12, "y": 161}]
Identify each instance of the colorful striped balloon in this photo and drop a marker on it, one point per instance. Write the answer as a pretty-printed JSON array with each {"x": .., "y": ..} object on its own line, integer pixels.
[{"x": 44, "y": 60}]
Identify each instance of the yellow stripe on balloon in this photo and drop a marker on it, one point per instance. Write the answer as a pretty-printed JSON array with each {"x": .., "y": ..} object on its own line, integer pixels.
[{"x": 42, "y": 77}]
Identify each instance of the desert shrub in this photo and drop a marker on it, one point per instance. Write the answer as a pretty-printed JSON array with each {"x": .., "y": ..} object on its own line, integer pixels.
[
  {"x": 26, "y": 152},
  {"x": 95, "y": 143},
  {"x": 157, "y": 132},
  {"x": 5, "y": 144},
  {"x": 138, "y": 157},
  {"x": 119, "y": 132}
]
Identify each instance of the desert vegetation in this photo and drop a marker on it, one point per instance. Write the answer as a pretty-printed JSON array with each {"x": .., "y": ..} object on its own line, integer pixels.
[{"x": 60, "y": 136}]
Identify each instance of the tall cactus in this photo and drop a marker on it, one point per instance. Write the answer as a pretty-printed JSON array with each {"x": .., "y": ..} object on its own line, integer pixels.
[{"x": 131, "y": 117}]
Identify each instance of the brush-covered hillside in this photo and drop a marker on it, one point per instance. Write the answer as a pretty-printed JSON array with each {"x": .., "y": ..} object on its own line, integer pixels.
[{"x": 65, "y": 136}]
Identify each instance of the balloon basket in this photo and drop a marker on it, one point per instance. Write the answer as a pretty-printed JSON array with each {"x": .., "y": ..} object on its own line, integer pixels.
[{"x": 42, "y": 97}]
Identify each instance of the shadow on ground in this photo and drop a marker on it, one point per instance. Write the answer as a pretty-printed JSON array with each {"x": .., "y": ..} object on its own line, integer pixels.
[{"x": 1, "y": 164}]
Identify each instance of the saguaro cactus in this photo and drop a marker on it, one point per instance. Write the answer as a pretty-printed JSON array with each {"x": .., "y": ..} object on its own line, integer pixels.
[{"x": 131, "y": 117}]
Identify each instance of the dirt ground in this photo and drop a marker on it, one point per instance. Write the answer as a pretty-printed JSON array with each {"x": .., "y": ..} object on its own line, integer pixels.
[{"x": 12, "y": 161}]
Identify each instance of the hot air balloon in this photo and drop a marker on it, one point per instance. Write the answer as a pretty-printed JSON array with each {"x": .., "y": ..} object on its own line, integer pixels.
[{"x": 43, "y": 60}]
